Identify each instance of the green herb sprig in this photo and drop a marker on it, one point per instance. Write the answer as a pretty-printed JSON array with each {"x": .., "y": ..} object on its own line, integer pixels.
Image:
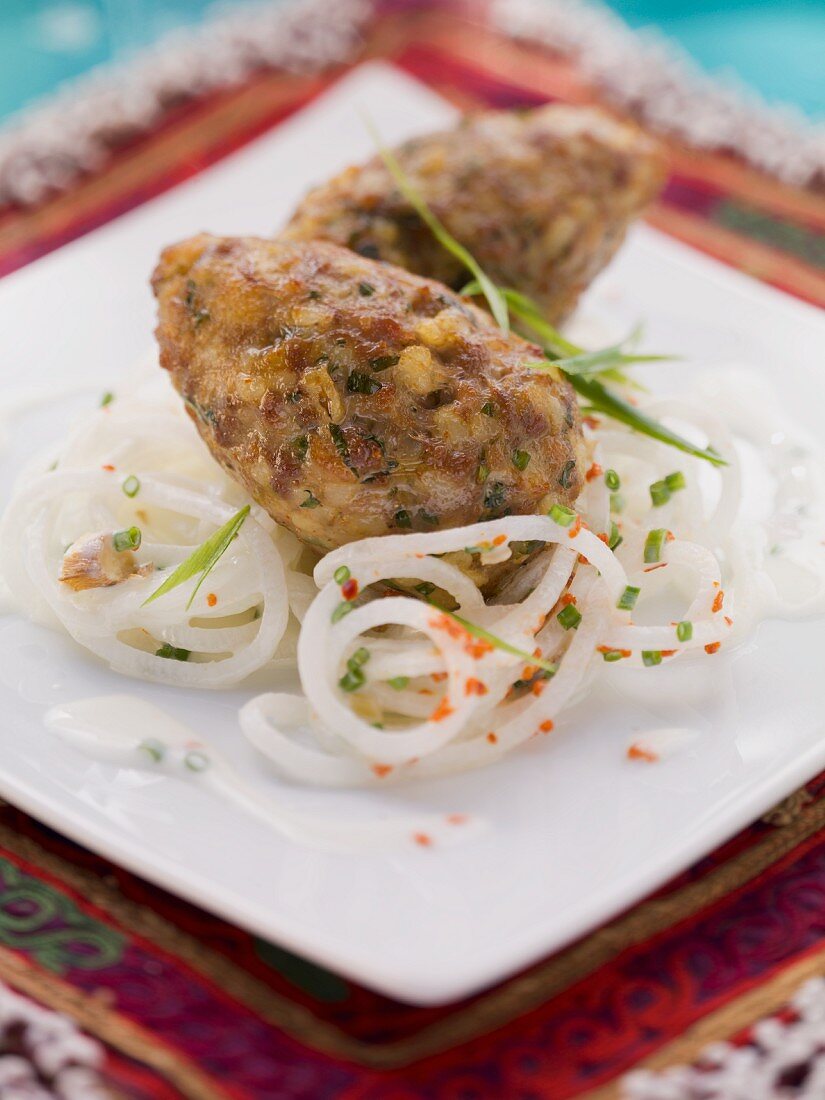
[
  {"x": 495, "y": 299},
  {"x": 202, "y": 560},
  {"x": 583, "y": 368}
]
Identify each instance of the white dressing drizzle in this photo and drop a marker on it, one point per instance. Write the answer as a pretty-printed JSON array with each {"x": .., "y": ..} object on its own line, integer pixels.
[{"x": 133, "y": 733}]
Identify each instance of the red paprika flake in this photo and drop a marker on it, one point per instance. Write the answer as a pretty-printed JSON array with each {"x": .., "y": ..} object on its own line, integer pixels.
[
  {"x": 423, "y": 840},
  {"x": 475, "y": 687},
  {"x": 718, "y": 601},
  {"x": 382, "y": 770},
  {"x": 713, "y": 647},
  {"x": 349, "y": 589}
]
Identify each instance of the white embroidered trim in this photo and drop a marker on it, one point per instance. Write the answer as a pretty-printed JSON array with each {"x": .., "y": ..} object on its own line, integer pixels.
[
  {"x": 654, "y": 79},
  {"x": 781, "y": 1060},
  {"x": 53, "y": 1058},
  {"x": 49, "y": 144}
]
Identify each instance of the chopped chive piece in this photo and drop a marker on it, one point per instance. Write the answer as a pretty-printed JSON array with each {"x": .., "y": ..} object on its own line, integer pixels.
[
  {"x": 358, "y": 382},
  {"x": 659, "y": 493},
  {"x": 651, "y": 657},
  {"x": 398, "y": 683},
  {"x": 488, "y": 408},
  {"x": 617, "y": 503},
  {"x": 569, "y": 617},
  {"x": 521, "y": 460},
  {"x": 153, "y": 748},
  {"x": 126, "y": 540},
  {"x": 653, "y": 545},
  {"x": 612, "y": 655},
  {"x": 311, "y": 501},
  {"x": 358, "y": 659},
  {"x": 196, "y": 761},
  {"x": 352, "y": 680},
  {"x": 627, "y": 600},
  {"x": 172, "y": 653},
  {"x": 684, "y": 631},
  {"x": 131, "y": 486},
  {"x": 562, "y": 515},
  {"x": 675, "y": 481},
  {"x": 612, "y": 481},
  {"x": 341, "y": 610},
  {"x": 341, "y": 574},
  {"x": 566, "y": 475},
  {"x": 382, "y": 362},
  {"x": 482, "y": 473},
  {"x": 428, "y": 517},
  {"x": 107, "y": 398},
  {"x": 366, "y": 290},
  {"x": 616, "y": 538},
  {"x": 402, "y": 518},
  {"x": 426, "y": 588}
]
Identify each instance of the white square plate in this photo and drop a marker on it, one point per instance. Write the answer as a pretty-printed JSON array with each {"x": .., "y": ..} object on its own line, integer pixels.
[{"x": 577, "y": 831}]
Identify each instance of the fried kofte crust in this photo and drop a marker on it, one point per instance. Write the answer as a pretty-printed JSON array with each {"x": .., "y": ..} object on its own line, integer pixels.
[
  {"x": 542, "y": 198},
  {"x": 351, "y": 398}
]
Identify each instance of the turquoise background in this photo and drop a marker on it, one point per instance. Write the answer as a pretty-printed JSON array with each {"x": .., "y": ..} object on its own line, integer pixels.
[{"x": 777, "y": 47}]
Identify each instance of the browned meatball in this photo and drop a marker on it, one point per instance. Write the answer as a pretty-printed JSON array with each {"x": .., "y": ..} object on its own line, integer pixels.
[
  {"x": 542, "y": 198},
  {"x": 351, "y": 398}
]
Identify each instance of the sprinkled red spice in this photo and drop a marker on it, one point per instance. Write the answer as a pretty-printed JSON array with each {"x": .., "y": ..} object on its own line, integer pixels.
[
  {"x": 567, "y": 598},
  {"x": 443, "y": 710},
  {"x": 349, "y": 589},
  {"x": 639, "y": 752},
  {"x": 382, "y": 770},
  {"x": 499, "y": 539},
  {"x": 422, "y": 839},
  {"x": 670, "y": 537},
  {"x": 439, "y": 676},
  {"x": 594, "y": 472},
  {"x": 475, "y": 687},
  {"x": 108, "y": 468},
  {"x": 456, "y": 819},
  {"x": 211, "y": 599},
  {"x": 713, "y": 647},
  {"x": 546, "y": 726},
  {"x": 604, "y": 538},
  {"x": 718, "y": 601},
  {"x": 729, "y": 620},
  {"x": 491, "y": 737},
  {"x": 667, "y": 652},
  {"x": 592, "y": 422},
  {"x": 538, "y": 687},
  {"x": 575, "y": 527}
]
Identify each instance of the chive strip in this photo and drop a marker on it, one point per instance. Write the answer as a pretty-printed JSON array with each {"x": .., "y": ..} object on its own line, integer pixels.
[
  {"x": 172, "y": 653},
  {"x": 612, "y": 480},
  {"x": 609, "y": 404},
  {"x": 684, "y": 631},
  {"x": 611, "y": 655},
  {"x": 651, "y": 657},
  {"x": 627, "y": 600},
  {"x": 653, "y": 545},
  {"x": 495, "y": 298},
  {"x": 499, "y": 643},
  {"x": 562, "y": 515},
  {"x": 659, "y": 493},
  {"x": 127, "y": 540},
  {"x": 202, "y": 560},
  {"x": 398, "y": 683},
  {"x": 341, "y": 574},
  {"x": 675, "y": 481},
  {"x": 569, "y": 617},
  {"x": 131, "y": 486}
]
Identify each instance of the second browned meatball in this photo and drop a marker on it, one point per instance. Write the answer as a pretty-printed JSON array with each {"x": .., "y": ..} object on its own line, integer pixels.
[
  {"x": 542, "y": 198},
  {"x": 352, "y": 399}
]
